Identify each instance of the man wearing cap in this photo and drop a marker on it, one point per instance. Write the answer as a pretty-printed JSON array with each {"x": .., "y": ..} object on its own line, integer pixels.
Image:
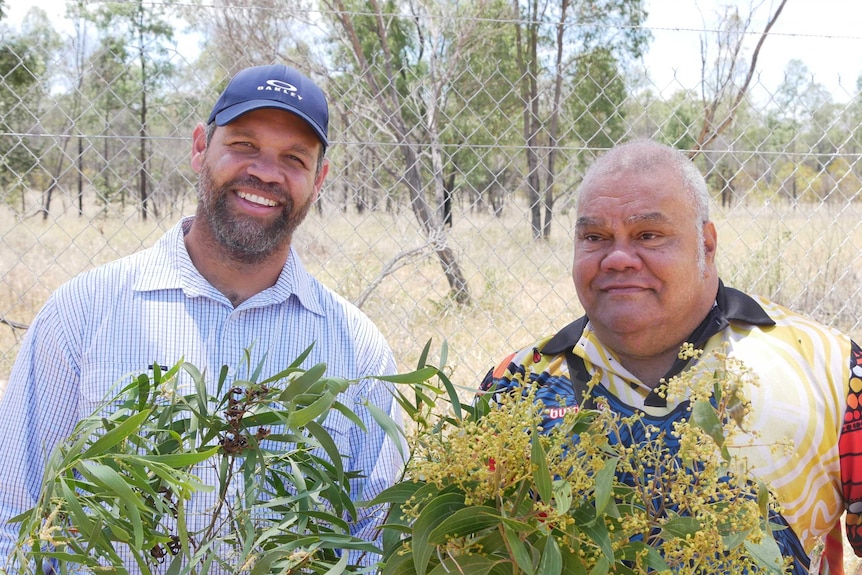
[{"x": 218, "y": 285}]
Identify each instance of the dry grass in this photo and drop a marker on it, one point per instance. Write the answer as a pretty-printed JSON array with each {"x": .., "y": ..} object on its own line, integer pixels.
[{"x": 520, "y": 289}]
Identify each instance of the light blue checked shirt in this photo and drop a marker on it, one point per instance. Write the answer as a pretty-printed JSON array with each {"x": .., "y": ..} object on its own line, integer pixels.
[{"x": 154, "y": 306}]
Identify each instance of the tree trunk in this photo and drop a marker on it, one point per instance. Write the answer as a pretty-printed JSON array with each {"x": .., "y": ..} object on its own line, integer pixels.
[
  {"x": 80, "y": 174},
  {"x": 390, "y": 107},
  {"x": 142, "y": 154},
  {"x": 527, "y": 56},
  {"x": 459, "y": 289},
  {"x": 553, "y": 127}
]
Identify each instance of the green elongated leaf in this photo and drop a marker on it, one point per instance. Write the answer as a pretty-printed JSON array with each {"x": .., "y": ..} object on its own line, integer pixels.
[
  {"x": 466, "y": 521},
  {"x": 396, "y": 531},
  {"x": 562, "y": 495},
  {"x": 222, "y": 380},
  {"x": 143, "y": 385},
  {"x": 183, "y": 480},
  {"x": 175, "y": 567},
  {"x": 114, "y": 483},
  {"x": 109, "y": 479},
  {"x": 349, "y": 414},
  {"x": 763, "y": 501},
  {"x": 602, "y": 567},
  {"x": 305, "y": 383},
  {"x": 481, "y": 406},
  {"x": 201, "y": 396},
  {"x": 704, "y": 416},
  {"x": 116, "y": 435},
  {"x": 734, "y": 540},
  {"x": 605, "y": 483},
  {"x": 174, "y": 460},
  {"x": 339, "y": 567},
  {"x": 411, "y": 407},
  {"x": 399, "y": 493},
  {"x": 283, "y": 374},
  {"x": 66, "y": 456},
  {"x": 399, "y": 564},
  {"x": 328, "y": 444},
  {"x": 392, "y": 429},
  {"x": 423, "y": 357},
  {"x": 258, "y": 368},
  {"x": 444, "y": 352},
  {"x": 263, "y": 563},
  {"x": 265, "y": 417},
  {"x": 434, "y": 513},
  {"x": 134, "y": 517},
  {"x": 302, "y": 416},
  {"x": 76, "y": 512},
  {"x": 301, "y": 357},
  {"x": 336, "y": 385},
  {"x": 519, "y": 551},
  {"x": 518, "y": 526},
  {"x": 680, "y": 526},
  {"x": 452, "y": 394},
  {"x": 648, "y": 555},
  {"x": 472, "y": 564},
  {"x": 551, "y": 562},
  {"x": 170, "y": 373},
  {"x": 766, "y": 554},
  {"x": 572, "y": 562},
  {"x": 192, "y": 370},
  {"x": 541, "y": 473},
  {"x": 418, "y": 376},
  {"x": 72, "y": 558},
  {"x": 597, "y": 531}
]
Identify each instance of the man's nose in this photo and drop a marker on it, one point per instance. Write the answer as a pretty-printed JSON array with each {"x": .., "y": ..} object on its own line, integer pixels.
[
  {"x": 621, "y": 256},
  {"x": 266, "y": 168}
]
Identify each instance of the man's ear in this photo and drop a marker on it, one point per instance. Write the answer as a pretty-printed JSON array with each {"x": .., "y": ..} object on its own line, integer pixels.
[
  {"x": 710, "y": 241},
  {"x": 199, "y": 147},
  {"x": 319, "y": 178}
]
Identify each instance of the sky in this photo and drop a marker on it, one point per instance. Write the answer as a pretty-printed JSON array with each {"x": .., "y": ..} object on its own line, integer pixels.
[{"x": 826, "y": 35}]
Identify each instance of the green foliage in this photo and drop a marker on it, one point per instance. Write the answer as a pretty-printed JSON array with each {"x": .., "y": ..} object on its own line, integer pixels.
[
  {"x": 276, "y": 494},
  {"x": 597, "y": 100},
  {"x": 490, "y": 494},
  {"x": 21, "y": 66}
]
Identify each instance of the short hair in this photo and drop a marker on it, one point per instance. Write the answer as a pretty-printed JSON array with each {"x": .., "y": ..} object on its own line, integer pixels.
[{"x": 640, "y": 155}]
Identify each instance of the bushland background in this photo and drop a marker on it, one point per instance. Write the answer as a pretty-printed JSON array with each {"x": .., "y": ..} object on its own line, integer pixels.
[{"x": 460, "y": 133}]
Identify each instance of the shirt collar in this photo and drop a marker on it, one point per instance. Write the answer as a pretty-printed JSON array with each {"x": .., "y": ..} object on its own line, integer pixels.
[
  {"x": 730, "y": 305},
  {"x": 168, "y": 266}
]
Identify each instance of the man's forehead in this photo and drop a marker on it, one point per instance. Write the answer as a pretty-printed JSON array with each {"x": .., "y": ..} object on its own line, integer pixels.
[{"x": 653, "y": 216}]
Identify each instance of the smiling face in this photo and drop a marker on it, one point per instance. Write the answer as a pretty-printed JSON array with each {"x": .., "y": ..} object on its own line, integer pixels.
[
  {"x": 644, "y": 265},
  {"x": 257, "y": 180}
]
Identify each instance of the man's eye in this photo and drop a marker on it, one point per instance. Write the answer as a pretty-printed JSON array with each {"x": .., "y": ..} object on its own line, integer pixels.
[{"x": 296, "y": 160}]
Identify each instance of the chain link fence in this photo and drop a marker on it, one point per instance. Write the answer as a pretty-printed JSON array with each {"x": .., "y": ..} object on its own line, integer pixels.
[{"x": 460, "y": 133}]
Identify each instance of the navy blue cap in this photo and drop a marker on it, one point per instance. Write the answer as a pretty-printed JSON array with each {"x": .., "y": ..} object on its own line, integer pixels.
[{"x": 276, "y": 86}]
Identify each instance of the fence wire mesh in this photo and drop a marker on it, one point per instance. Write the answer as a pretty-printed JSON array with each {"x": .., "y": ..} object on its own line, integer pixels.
[{"x": 460, "y": 131}]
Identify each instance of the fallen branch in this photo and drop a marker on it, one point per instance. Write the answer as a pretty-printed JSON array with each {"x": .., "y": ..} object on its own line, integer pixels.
[
  {"x": 396, "y": 263},
  {"x": 13, "y": 324}
]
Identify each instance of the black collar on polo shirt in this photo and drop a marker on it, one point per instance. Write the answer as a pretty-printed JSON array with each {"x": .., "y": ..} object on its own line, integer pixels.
[{"x": 730, "y": 305}]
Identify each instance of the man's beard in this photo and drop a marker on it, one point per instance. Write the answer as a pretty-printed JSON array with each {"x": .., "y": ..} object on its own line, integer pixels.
[{"x": 247, "y": 239}]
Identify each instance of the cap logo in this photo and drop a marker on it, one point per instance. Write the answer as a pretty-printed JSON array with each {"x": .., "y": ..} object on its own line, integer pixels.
[{"x": 279, "y": 86}]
